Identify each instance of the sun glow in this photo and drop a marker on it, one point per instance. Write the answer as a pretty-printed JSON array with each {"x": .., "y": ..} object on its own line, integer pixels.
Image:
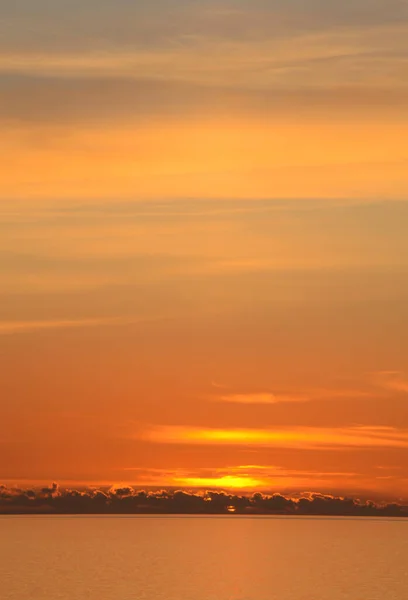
[{"x": 225, "y": 482}]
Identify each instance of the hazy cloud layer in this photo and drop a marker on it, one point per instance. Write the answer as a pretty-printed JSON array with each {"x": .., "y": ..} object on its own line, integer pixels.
[
  {"x": 56, "y": 100},
  {"x": 294, "y": 96},
  {"x": 73, "y": 61},
  {"x": 37, "y": 25}
]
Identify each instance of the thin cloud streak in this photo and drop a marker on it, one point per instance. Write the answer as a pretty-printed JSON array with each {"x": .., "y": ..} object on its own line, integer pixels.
[
  {"x": 395, "y": 381},
  {"x": 376, "y": 51},
  {"x": 10, "y": 327},
  {"x": 282, "y": 397},
  {"x": 261, "y": 398}
]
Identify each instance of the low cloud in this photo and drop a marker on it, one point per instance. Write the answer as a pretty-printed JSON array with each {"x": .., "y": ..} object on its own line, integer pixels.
[{"x": 126, "y": 500}]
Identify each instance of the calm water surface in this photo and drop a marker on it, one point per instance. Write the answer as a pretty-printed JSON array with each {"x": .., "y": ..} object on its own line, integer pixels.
[{"x": 203, "y": 558}]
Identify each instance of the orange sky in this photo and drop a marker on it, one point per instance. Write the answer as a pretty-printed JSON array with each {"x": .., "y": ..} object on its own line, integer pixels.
[{"x": 203, "y": 249}]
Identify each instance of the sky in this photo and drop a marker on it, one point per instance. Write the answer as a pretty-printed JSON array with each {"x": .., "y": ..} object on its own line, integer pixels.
[{"x": 203, "y": 249}]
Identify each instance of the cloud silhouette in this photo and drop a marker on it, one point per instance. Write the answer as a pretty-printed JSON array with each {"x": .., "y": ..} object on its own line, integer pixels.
[{"x": 126, "y": 500}]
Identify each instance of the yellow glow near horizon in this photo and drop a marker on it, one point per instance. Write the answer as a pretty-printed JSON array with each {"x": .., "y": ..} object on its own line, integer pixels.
[{"x": 224, "y": 482}]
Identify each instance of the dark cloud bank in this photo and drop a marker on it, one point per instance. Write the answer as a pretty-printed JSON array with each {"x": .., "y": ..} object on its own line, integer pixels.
[{"x": 126, "y": 500}]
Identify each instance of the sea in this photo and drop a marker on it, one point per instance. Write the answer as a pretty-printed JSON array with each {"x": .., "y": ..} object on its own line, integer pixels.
[{"x": 202, "y": 558}]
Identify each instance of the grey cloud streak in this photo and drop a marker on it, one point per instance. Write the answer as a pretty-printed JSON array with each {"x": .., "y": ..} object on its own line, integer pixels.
[
  {"x": 62, "y": 100},
  {"x": 72, "y": 62},
  {"x": 37, "y": 25}
]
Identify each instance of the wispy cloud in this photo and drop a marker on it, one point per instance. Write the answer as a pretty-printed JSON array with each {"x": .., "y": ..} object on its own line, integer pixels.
[
  {"x": 261, "y": 43},
  {"x": 14, "y": 327},
  {"x": 373, "y": 387},
  {"x": 287, "y": 396},
  {"x": 392, "y": 380},
  {"x": 261, "y": 398}
]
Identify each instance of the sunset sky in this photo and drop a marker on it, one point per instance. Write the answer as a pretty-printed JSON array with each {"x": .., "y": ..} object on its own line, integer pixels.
[{"x": 203, "y": 244}]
